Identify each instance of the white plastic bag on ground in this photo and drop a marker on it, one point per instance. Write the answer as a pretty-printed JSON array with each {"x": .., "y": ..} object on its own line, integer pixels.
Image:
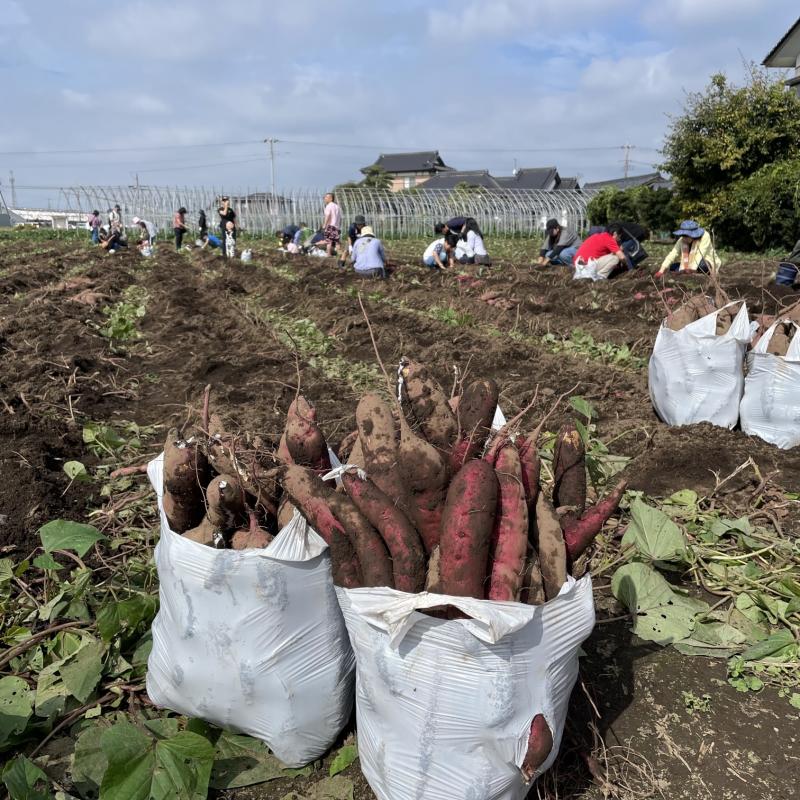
[
  {"x": 770, "y": 408},
  {"x": 444, "y": 708},
  {"x": 252, "y": 640},
  {"x": 697, "y": 376},
  {"x": 587, "y": 271}
]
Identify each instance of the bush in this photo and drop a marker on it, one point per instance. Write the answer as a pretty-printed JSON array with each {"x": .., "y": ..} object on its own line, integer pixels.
[
  {"x": 759, "y": 212},
  {"x": 656, "y": 209}
]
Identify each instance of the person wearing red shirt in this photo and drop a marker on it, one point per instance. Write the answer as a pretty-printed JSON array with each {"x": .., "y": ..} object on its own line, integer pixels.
[{"x": 603, "y": 251}]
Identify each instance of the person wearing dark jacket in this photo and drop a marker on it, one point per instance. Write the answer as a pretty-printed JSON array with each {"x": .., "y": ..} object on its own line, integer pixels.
[
  {"x": 202, "y": 223},
  {"x": 559, "y": 246},
  {"x": 632, "y": 235}
]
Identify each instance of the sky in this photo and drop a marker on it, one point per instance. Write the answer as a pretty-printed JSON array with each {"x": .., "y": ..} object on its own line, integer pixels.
[{"x": 184, "y": 93}]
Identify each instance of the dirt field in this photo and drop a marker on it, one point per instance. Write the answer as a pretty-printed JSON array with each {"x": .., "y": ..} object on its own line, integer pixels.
[{"x": 239, "y": 327}]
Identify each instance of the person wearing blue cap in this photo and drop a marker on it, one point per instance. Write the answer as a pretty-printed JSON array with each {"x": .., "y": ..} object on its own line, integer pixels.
[{"x": 693, "y": 251}]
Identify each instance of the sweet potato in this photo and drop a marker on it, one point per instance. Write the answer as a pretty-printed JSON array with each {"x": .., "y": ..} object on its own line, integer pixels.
[
  {"x": 569, "y": 471},
  {"x": 283, "y": 454},
  {"x": 399, "y": 535},
  {"x": 779, "y": 343},
  {"x": 532, "y": 591},
  {"x": 510, "y": 534},
  {"x": 433, "y": 579},
  {"x": 185, "y": 473},
  {"x": 549, "y": 543},
  {"x": 725, "y": 318},
  {"x": 467, "y": 525},
  {"x": 254, "y": 536},
  {"x": 285, "y": 512},
  {"x": 204, "y": 533},
  {"x": 695, "y": 308},
  {"x": 356, "y": 457},
  {"x": 579, "y": 534},
  {"x": 429, "y": 405},
  {"x": 475, "y": 413},
  {"x": 304, "y": 439},
  {"x": 540, "y": 743},
  {"x": 373, "y": 555},
  {"x": 346, "y": 446},
  {"x": 310, "y": 495},
  {"x": 424, "y": 473},
  {"x": 531, "y": 469},
  {"x": 225, "y": 501}
]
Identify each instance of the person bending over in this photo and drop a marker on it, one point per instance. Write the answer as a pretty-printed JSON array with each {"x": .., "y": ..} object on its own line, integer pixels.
[
  {"x": 693, "y": 251},
  {"x": 435, "y": 254},
  {"x": 559, "y": 246},
  {"x": 601, "y": 254},
  {"x": 369, "y": 258}
]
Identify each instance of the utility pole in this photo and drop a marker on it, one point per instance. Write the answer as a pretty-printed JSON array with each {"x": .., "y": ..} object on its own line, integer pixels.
[
  {"x": 627, "y": 148},
  {"x": 13, "y": 189},
  {"x": 272, "y": 142}
]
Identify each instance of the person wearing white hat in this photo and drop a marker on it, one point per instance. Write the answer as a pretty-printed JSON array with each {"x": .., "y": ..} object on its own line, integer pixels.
[
  {"x": 148, "y": 233},
  {"x": 693, "y": 251},
  {"x": 369, "y": 257}
]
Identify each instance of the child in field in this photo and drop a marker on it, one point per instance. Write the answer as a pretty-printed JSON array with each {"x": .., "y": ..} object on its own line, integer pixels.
[{"x": 230, "y": 239}]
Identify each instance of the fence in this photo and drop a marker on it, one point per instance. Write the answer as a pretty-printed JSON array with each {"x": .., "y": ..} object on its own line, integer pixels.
[{"x": 392, "y": 214}]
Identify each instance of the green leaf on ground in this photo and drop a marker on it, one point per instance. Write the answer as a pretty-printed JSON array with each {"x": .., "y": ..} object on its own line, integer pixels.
[
  {"x": 343, "y": 759},
  {"x": 63, "y": 534},
  {"x": 89, "y": 761},
  {"x": 23, "y": 780},
  {"x": 46, "y": 561},
  {"x": 141, "y": 767},
  {"x": 16, "y": 707},
  {"x": 583, "y": 406},
  {"x": 654, "y": 534},
  {"x": 126, "y": 615},
  {"x": 770, "y": 647},
  {"x": 661, "y": 614},
  {"x": 82, "y": 672},
  {"x": 712, "y": 639},
  {"x": 76, "y": 471},
  {"x": 243, "y": 761}
]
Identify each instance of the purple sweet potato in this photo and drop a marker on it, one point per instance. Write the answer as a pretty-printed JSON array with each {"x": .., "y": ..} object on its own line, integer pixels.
[
  {"x": 580, "y": 533},
  {"x": 569, "y": 472},
  {"x": 430, "y": 407},
  {"x": 531, "y": 469},
  {"x": 510, "y": 534},
  {"x": 467, "y": 525},
  {"x": 203, "y": 534},
  {"x": 310, "y": 495},
  {"x": 373, "y": 555},
  {"x": 185, "y": 473},
  {"x": 251, "y": 537},
  {"x": 540, "y": 743},
  {"x": 396, "y": 530},
  {"x": 549, "y": 544},
  {"x": 304, "y": 439},
  {"x": 532, "y": 591},
  {"x": 475, "y": 413},
  {"x": 225, "y": 499},
  {"x": 424, "y": 474}
]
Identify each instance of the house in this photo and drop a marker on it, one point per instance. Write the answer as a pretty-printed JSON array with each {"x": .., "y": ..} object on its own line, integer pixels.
[
  {"x": 786, "y": 55},
  {"x": 408, "y": 170},
  {"x": 655, "y": 180},
  {"x": 543, "y": 179},
  {"x": 475, "y": 177}
]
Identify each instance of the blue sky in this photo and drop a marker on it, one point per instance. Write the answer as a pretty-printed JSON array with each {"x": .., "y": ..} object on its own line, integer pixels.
[{"x": 489, "y": 83}]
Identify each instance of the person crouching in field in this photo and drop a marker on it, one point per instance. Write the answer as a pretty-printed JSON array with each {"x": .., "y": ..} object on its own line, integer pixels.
[
  {"x": 473, "y": 238},
  {"x": 693, "y": 252},
  {"x": 369, "y": 258},
  {"x": 435, "y": 254},
  {"x": 600, "y": 255},
  {"x": 560, "y": 245}
]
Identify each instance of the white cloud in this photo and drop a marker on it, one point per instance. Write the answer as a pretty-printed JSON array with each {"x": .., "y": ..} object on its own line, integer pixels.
[
  {"x": 147, "y": 104},
  {"x": 76, "y": 99},
  {"x": 12, "y": 15}
]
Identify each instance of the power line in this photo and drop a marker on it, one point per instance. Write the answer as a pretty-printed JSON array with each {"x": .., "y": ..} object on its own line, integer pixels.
[{"x": 85, "y": 150}]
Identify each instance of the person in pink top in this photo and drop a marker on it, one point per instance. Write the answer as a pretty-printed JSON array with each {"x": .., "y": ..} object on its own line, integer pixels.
[
  {"x": 179, "y": 226},
  {"x": 332, "y": 223}
]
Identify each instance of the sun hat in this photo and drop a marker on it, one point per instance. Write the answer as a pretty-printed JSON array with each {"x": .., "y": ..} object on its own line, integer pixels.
[
  {"x": 367, "y": 231},
  {"x": 691, "y": 229},
  {"x": 359, "y": 220}
]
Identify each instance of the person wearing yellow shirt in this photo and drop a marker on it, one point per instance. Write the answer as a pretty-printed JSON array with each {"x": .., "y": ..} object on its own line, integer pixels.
[{"x": 693, "y": 252}]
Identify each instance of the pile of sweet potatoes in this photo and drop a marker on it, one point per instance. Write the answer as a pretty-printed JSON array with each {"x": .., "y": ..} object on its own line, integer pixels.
[{"x": 432, "y": 499}]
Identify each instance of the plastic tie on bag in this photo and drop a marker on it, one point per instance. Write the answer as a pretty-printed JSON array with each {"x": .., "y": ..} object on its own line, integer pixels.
[{"x": 340, "y": 469}]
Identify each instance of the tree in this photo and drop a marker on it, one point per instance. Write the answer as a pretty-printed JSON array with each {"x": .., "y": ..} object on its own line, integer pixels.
[
  {"x": 727, "y": 133},
  {"x": 376, "y": 178}
]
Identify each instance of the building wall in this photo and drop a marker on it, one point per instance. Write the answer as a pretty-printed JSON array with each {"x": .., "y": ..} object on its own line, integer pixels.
[{"x": 408, "y": 181}]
